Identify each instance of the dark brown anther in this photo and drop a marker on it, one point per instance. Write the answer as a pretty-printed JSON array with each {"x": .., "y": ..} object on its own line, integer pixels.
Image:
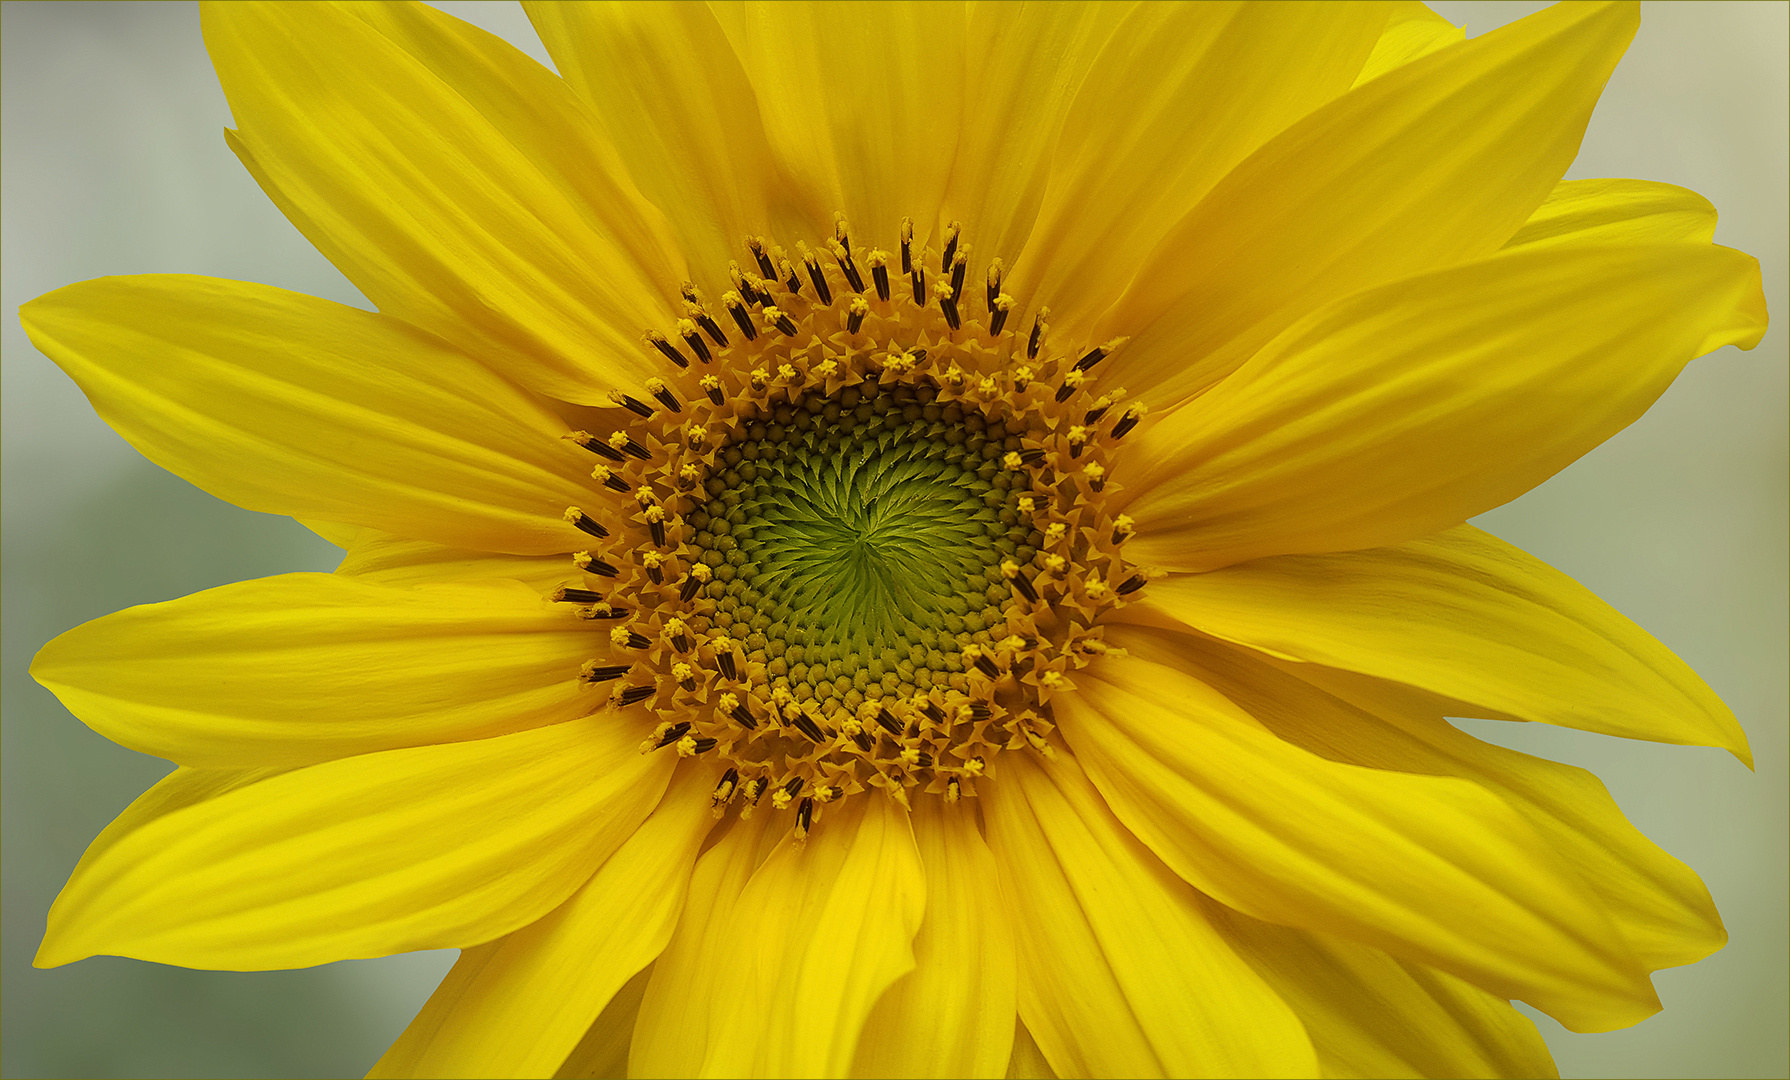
[
  {"x": 841, "y": 234},
  {"x": 1092, "y": 357},
  {"x": 794, "y": 282},
  {"x": 1024, "y": 587},
  {"x": 688, "y": 588},
  {"x": 850, "y": 270},
  {"x": 730, "y": 782},
  {"x": 805, "y": 724},
  {"x": 952, "y": 232},
  {"x": 997, "y": 321},
  {"x": 923, "y": 761},
  {"x": 794, "y": 787},
  {"x": 756, "y": 246},
  {"x": 1093, "y": 415},
  {"x": 1125, "y": 424},
  {"x": 854, "y": 321},
  {"x": 606, "y": 673},
  {"x": 604, "y": 611},
  {"x": 932, "y": 711},
  {"x": 755, "y": 789},
  {"x": 816, "y": 275},
  {"x": 743, "y": 320},
  {"x": 729, "y": 667},
  {"x": 980, "y": 711},
  {"x": 681, "y": 642},
  {"x": 594, "y": 565},
  {"x": 985, "y": 664},
  {"x": 907, "y": 243},
  {"x": 913, "y": 729},
  {"x": 958, "y": 269},
  {"x": 633, "y": 695},
  {"x": 716, "y": 396},
  {"x": 1031, "y": 456},
  {"x": 636, "y": 640},
  {"x": 712, "y": 329},
  {"x": 670, "y": 351},
  {"x": 673, "y": 734},
  {"x": 635, "y": 405},
  {"x": 599, "y": 448},
  {"x": 804, "y": 817},
  {"x": 1036, "y": 339},
  {"x": 886, "y": 720},
  {"x": 995, "y": 270},
  {"x": 879, "y": 276},
  {"x": 665, "y": 397},
  {"x": 743, "y": 717},
  {"x": 785, "y": 325},
  {"x": 919, "y": 277},
  {"x": 615, "y": 483},
  {"x": 577, "y": 596},
  {"x": 699, "y": 347},
  {"x": 1064, "y": 391},
  {"x": 633, "y": 447},
  {"x": 584, "y": 523},
  {"x": 691, "y": 296},
  {"x": 655, "y": 573},
  {"x": 949, "y": 307},
  {"x": 657, "y": 528},
  {"x": 864, "y": 741},
  {"x": 1131, "y": 585},
  {"x": 688, "y": 682},
  {"x": 703, "y": 745},
  {"x": 743, "y": 286}
]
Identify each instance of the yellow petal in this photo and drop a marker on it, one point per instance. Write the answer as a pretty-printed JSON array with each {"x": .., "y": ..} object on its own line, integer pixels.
[
  {"x": 183, "y": 787},
  {"x": 603, "y": 1052},
  {"x": 1436, "y": 162},
  {"x": 1412, "y": 32},
  {"x": 431, "y": 847},
  {"x": 1432, "y": 869},
  {"x": 460, "y": 185},
  {"x": 392, "y": 560},
  {"x": 334, "y": 531},
  {"x": 1412, "y": 407},
  {"x": 1025, "y": 63},
  {"x": 1618, "y": 212},
  {"x": 1660, "y": 905},
  {"x": 1180, "y": 95},
  {"x": 1027, "y": 1061},
  {"x": 816, "y": 937},
  {"x": 1121, "y": 974},
  {"x": 1371, "y": 1016},
  {"x": 675, "y": 1023},
  {"x": 302, "y": 668},
  {"x": 953, "y": 1016},
  {"x": 676, "y": 103},
  {"x": 1468, "y": 617},
  {"x": 288, "y": 404},
  {"x": 863, "y": 100},
  {"x": 519, "y": 1005}
]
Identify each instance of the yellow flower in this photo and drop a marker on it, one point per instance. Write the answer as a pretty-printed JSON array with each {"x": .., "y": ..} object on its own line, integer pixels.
[{"x": 908, "y": 540}]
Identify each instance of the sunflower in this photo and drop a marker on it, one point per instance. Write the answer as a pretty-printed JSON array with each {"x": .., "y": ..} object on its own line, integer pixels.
[{"x": 908, "y": 540}]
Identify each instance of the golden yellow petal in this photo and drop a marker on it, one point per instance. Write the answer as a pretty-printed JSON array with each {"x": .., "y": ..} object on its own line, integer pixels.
[
  {"x": 385, "y": 559},
  {"x": 1470, "y": 618},
  {"x": 518, "y": 1006},
  {"x": 675, "y": 101},
  {"x": 288, "y": 404},
  {"x": 675, "y": 1024},
  {"x": 818, "y": 934},
  {"x": 1024, "y": 63},
  {"x": 1121, "y": 973},
  {"x": 1371, "y": 1016},
  {"x": 343, "y": 536},
  {"x": 1429, "y": 868},
  {"x": 1433, "y": 163},
  {"x": 302, "y": 668},
  {"x": 1180, "y": 94},
  {"x": 1027, "y": 1061},
  {"x": 1660, "y": 905},
  {"x": 953, "y": 1015},
  {"x": 1618, "y": 212},
  {"x": 1412, "y": 407},
  {"x": 459, "y": 184},
  {"x": 430, "y": 847},
  {"x": 603, "y": 1052},
  {"x": 863, "y": 101},
  {"x": 1412, "y": 32}
]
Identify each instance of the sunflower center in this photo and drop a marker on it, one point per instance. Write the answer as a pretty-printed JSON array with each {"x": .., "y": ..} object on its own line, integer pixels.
[{"x": 865, "y": 541}]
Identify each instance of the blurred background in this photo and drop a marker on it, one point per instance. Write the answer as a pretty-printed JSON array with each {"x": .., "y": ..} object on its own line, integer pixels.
[{"x": 114, "y": 163}]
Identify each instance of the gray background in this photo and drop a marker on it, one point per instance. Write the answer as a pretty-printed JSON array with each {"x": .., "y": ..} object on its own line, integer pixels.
[{"x": 114, "y": 164}]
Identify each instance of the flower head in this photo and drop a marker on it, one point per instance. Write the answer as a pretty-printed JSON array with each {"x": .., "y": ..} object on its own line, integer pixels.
[{"x": 869, "y": 552}]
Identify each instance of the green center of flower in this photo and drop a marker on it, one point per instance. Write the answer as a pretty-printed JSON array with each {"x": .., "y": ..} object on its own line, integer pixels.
[
  {"x": 858, "y": 540},
  {"x": 861, "y": 541}
]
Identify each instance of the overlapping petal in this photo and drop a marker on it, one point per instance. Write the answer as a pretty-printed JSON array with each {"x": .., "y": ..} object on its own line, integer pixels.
[
  {"x": 951, "y": 1016},
  {"x": 293, "y": 405},
  {"x": 1469, "y": 618},
  {"x": 1433, "y": 869},
  {"x": 460, "y": 185},
  {"x": 519, "y": 1005},
  {"x": 1121, "y": 972},
  {"x": 1436, "y": 162},
  {"x": 1658, "y": 903},
  {"x": 302, "y": 668},
  {"x": 379, "y": 557},
  {"x": 1414, "y": 406},
  {"x": 675, "y": 101},
  {"x": 1618, "y": 212},
  {"x": 1180, "y": 94},
  {"x": 1412, "y": 32},
  {"x": 430, "y": 847}
]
